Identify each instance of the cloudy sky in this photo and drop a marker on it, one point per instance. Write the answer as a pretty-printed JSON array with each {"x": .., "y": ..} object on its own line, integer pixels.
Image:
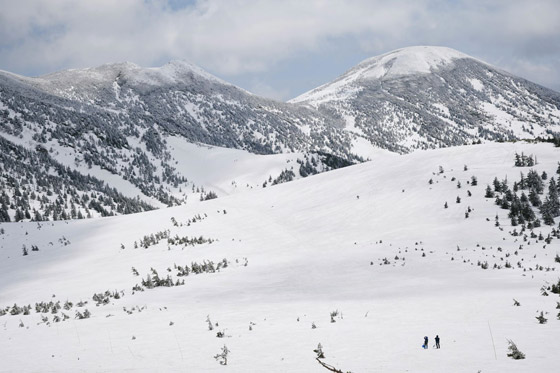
[{"x": 276, "y": 48}]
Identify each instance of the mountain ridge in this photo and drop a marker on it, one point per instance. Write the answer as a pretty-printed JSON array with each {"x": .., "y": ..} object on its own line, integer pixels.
[
  {"x": 119, "y": 120},
  {"x": 436, "y": 97}
]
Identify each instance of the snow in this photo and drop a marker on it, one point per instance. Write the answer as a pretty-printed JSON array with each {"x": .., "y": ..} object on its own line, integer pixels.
[
  {"x": 309, "y": 245},
  {"x": 405, "y": 61},
  {"x": 82, "y": 84},
  {"x": 476, "y": 84},
  {"x": 226, "y": 171},
  {"x": 510, "y": 122},
  {"x": 363, "y": 148},
  {"x": 442, "y": 108}
]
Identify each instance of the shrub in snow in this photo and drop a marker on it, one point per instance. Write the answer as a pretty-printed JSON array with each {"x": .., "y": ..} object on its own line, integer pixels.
[
  {"x": 85, "y": 315},
  {"x": 210, "y": 326},
  {"x": 333, "y": 315},
  {"x": 514, "y": 352},
  {"x": 208, "y": 196},
  {"x": 222, "y": 356},
  {"x": 555, "y": 288},
  {"x": 516, "y": 303},
  {"x": 319, "y": 352},
  {"x": 541, "y": 318}
]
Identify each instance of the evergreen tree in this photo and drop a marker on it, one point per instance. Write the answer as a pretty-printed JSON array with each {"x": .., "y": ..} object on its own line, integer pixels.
[
  {"x": 534, "y": 198},
  {"x": 553, "y": 198},
  {"x": 497, "y": 185}
]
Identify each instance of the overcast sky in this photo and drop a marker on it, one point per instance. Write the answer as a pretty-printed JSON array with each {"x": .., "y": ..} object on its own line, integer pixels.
[{"x": 276, "y": 48}]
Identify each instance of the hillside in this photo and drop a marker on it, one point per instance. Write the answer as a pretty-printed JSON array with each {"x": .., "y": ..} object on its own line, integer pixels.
[
  {"x": 430, "y": 97},
  {"x": 368, "y": 254},
  {"x": 116, "y": 122},
  {"x": 145, "y": 133}
]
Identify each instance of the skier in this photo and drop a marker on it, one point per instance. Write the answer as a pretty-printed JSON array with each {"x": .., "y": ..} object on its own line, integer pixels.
[
  {"x": 425, "y": 342},
  {"x": 437, "y": 341}
]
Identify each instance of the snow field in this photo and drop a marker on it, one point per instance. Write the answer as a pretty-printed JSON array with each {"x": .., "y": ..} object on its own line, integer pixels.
[{"x": 312, "y": 246}]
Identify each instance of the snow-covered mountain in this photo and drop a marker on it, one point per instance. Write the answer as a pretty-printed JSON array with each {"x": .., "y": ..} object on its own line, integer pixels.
[
  {"x": 132, "y": 128},
  {"x": 428, "y": 97},
  {"x": 136, "y": 132},
  {"x": 364, "y": 260}
]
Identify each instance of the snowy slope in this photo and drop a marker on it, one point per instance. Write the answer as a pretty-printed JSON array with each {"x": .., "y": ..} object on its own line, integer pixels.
[
  {"x": 113, "y": 122},
  {"x": 298, "y": 252},
  {"x": 400, "y": 62},
  {"x": 428, "y": 97}
]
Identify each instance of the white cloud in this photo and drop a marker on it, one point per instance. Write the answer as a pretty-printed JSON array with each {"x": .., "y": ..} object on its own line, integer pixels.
[{"x": 232, "y": 37}]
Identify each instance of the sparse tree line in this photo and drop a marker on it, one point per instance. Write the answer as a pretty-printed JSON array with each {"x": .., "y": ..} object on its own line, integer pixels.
[
  {"x": 521, "y": 207},
  {"x": 153, "y": 280},
  {"x": 37, "y": 188},
  {"x": 57, "y": 310},
  {"x": 525, "y": 160},
  {"x": 155, "y": 238}
]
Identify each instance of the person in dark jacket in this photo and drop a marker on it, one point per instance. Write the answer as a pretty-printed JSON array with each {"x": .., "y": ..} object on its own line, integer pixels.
[
  {"x": 426, "y": 342},
  {"x": 437, "y": 341}
]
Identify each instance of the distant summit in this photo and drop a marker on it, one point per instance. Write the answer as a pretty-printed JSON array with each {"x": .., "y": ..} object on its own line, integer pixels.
[{"x": 428, "y": 97}]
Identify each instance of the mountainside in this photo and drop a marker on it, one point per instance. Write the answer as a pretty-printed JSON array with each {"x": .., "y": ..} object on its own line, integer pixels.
[
  {"x": 115, "y": 121},
  {"x": 365, "y": 261},
  {"x": 135, "y": 130},
  {"x": 429, "y": 97}
]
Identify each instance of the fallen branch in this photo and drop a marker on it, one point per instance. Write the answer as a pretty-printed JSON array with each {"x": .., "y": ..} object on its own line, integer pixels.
[{"x": 329, "y": 367}]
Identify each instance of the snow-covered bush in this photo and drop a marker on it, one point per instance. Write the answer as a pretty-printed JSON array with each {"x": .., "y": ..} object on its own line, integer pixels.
[
  {"x": 541, "y": 318},
  {"x": 514, "y": 352},
  {"x": 222, "y": 357},
  {"x": 319, "y": 352}
]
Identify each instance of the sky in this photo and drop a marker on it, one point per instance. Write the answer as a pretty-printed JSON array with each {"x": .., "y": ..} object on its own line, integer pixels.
[{"x": 276, "y": 48}]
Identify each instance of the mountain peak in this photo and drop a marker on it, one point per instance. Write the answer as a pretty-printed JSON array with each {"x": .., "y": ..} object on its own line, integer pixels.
[
  {"x": 406, "y": 61},
  {"x": 400, "y": 62}
]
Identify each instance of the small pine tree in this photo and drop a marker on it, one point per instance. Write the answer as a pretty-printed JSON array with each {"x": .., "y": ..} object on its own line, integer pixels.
[
  {"x": 541, "y": 318},
  {"x": 223, "y": 356},
  {"x": 319, "y": 352},
  {"x": 514, "y": 352}
]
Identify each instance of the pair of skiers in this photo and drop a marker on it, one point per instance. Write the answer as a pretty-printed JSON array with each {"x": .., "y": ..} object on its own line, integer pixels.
[{"x": 425, "y": 345}]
